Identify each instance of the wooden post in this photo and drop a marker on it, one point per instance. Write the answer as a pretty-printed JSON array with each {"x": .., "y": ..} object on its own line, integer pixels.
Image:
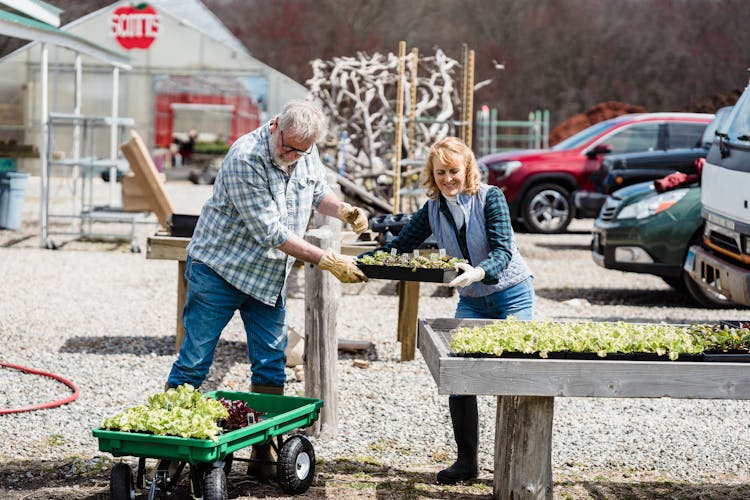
[
  {"x": 468, "y": 104},
  {"x": 322, "y": 290},
  {"x": 464, "y": 77},
  {"x": 413, "y": 99},
  {"x": 399, "y": 128},
  {"x": 523, "y": 447},
  {"x": 408, "y": 307}
]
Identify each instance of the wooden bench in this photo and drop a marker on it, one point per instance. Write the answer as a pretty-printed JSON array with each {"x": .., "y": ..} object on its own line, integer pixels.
[{"x": 526, "y": 391}]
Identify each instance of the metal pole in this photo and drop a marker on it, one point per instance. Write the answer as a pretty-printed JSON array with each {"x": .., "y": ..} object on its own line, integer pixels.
[
  {"x": 44, "y": 146},
  {"x": 399, "y": 127},
  {"x": 77, "y": 131},
  {"x": 538, "y": 125},
  {"x": 113, "y": 135},
  {"x": 493, "y": 130}
]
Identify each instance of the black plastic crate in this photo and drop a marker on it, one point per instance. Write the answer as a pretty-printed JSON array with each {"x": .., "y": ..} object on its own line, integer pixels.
[
  {"x": 403, "y": 273},
  {"x": 181, "y": 225}
]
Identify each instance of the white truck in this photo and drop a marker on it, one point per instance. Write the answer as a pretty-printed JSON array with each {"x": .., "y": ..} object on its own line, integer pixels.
[{"x": 721, "y": 265}]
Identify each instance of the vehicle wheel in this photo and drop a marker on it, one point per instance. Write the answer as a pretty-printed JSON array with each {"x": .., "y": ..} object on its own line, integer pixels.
[
  {"x": 547, "y": 209},
  {"x": 704, "y": 298},
  {"x": 296, "y": 466},
  {"x": 121, "y": 482},
  {"x": 677, "y": 283},
  {"x": 215, "y": 484}
]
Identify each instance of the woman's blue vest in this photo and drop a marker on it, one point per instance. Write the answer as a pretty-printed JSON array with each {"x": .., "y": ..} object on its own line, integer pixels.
[{"x": 472, "y": 207}]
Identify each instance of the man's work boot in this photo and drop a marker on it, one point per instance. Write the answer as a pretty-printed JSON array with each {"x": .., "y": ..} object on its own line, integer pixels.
[
  {"x": 465, "y": 418},
  {"x": 263, "y": 456}
]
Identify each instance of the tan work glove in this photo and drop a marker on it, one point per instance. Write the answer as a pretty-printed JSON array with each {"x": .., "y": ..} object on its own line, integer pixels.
[
  {"x": 354, "y": 216},
  {"x": 341, "y": 266},
  {"x": 468, "y": 276}
]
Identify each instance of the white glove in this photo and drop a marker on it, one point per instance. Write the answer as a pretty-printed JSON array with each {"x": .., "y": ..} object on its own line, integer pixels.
[
  {"x": 354, "y": 216},
  {"x": 468, "y": 276}
]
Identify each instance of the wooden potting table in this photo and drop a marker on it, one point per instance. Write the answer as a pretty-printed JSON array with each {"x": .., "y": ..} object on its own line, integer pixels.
[
  {"x": 162, "y": 246},
  {"x": 526, "y": 390}
]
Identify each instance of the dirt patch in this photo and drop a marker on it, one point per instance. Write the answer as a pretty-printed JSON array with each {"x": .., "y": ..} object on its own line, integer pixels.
[
  {"x": 600, "y": 112},
  {"x": 715, "y": 101},
  {"x": 80, "y": 479}
]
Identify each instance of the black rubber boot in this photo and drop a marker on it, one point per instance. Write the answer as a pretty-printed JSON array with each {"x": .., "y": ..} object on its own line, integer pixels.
[
  {"x": 264, "y": 465},
  {"x": 465, "y": 418}
]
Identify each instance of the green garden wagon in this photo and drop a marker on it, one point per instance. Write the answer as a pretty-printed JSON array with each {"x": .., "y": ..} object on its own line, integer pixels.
[{"x": 210, "y": 461}]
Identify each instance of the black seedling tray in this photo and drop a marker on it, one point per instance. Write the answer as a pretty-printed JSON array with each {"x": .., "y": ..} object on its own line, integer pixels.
[
  {"x": 726, "y": 357},
  {"x": 616, "y": 356},
  {"x": 735, "y": 324},
  {"x": 182, "y": 226},
  {"x": 401, "y": 273}
]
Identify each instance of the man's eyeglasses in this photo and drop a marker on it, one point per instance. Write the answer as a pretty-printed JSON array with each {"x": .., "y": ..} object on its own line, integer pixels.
[{"x": 291, "y": 149}]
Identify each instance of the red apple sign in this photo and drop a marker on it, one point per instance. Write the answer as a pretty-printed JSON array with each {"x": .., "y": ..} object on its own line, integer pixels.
[{"x": 135, "y": 26}]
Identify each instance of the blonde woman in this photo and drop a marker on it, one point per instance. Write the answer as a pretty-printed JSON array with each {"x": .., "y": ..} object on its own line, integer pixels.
[{"x": 470, "y": 220}]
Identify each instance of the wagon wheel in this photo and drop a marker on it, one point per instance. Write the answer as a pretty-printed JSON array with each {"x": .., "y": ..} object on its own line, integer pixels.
[
  {"x": 215, "y": 484},
  {"x": 121, "y": 482},
  {"x": 296, "y": 465}
]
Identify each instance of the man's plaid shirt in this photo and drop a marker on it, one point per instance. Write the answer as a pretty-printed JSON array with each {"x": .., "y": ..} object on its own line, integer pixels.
[{"x": 254, "y": 208}]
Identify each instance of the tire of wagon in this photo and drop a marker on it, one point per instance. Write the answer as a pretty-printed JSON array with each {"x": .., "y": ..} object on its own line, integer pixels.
[
  {"x": 121, "y": 482},
  {"x": 215, "y": 484},
  {"x": 296, "y": 466}
]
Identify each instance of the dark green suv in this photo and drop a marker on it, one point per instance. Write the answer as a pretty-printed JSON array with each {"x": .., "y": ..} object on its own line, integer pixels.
[{"x": 640, "y": 230}]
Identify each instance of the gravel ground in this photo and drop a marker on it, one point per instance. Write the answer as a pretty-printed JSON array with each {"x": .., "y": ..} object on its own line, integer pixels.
[{"x": 103, "y": 317}]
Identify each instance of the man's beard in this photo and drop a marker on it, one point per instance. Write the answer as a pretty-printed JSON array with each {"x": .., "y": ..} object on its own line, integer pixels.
[{"x": 281, "y": 161}]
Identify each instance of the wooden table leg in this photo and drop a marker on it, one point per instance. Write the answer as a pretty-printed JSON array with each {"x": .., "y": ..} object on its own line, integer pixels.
[
  {"x": 181, "y": 293},
  {"x": 408, "y": 307},
  {"x": 523, "y": 447}
]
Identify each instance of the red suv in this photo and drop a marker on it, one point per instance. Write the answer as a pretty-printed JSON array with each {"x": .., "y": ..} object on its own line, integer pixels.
[{"x": 539, "y": 184}]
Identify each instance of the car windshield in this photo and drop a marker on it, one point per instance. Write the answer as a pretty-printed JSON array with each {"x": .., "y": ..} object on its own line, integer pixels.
[
  {"x": 710, "y": 132},
  {"x": 737, "y": 126},
  {"x": 584, "y": 136}
]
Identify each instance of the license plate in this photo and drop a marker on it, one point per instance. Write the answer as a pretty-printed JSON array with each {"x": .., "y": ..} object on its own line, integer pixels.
[{"x": 689, "y": 260}]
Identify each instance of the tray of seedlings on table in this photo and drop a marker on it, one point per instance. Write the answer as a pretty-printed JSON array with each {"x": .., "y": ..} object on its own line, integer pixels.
[
  {"x": 435, "y": 268},
  {"x": 512, "y": 338},
  {"x": 182, "y": 427}
]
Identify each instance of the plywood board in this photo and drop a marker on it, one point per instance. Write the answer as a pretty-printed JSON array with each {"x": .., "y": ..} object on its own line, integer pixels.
[{"x": 147, "y": 177}]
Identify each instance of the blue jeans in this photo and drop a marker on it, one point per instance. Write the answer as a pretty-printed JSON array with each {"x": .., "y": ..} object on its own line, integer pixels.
[
  {"x": 517, "y": 301},
  {"x": 209, "y": 305}
]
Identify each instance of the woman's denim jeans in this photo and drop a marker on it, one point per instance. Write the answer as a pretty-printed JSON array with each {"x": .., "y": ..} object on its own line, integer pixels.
[
  {"x": 209, "y": 305},
  {"x": 516, "y": 301}
]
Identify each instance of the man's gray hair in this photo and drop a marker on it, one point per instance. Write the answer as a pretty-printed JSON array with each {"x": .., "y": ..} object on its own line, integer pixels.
[{"x": 304, "y": 120}]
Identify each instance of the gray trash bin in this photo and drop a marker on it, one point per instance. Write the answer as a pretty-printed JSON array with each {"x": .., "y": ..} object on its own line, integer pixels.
[{"x": 12, "y": 193}]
